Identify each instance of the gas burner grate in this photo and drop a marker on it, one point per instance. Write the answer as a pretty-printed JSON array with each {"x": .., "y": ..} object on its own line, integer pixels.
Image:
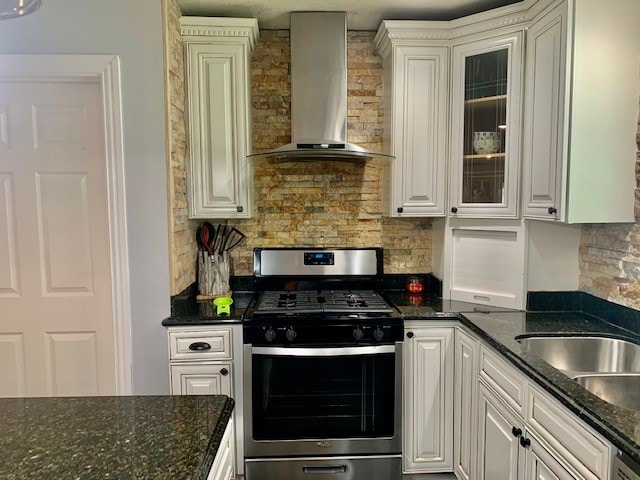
[{"x": 323, "y": 301}]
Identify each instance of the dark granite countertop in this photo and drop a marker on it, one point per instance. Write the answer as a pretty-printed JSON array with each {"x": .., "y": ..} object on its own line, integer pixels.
[
  {"x": 432, "y": 306},
  {"x": 127, "y": 437},
  {"x": 187, "y": 311}
]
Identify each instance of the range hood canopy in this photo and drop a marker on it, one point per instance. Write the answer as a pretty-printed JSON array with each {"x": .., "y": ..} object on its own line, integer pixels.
[{"x": 319, "y": 91}]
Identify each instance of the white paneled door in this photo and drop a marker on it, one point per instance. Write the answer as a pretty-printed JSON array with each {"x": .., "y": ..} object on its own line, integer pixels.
[{"x": 56, "y": 311}]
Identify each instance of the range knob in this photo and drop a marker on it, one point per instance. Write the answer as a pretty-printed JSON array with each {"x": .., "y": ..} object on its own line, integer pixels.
[
  {"x": 358, "y": 333},
  {"x": 270, "y": 335},
  {"x": 290, "y": 334},
  {"x": 378, "y": 334}
]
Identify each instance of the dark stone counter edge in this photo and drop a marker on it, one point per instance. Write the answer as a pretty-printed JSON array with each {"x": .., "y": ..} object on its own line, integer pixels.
[
  {"x": 576, "y": 301},
  {"x": 202, "y": 471},
  {"x": 584, "y": 412}
]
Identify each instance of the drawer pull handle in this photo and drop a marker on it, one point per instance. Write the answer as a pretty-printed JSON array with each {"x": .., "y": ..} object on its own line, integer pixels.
[
  {"x": 199, "y": 346},
  {"x": 329, "y": 469},
  {"x": 516, "y": 431},
  {"x": 224, "y": 372},
  {"x": 525, "y": 442}
]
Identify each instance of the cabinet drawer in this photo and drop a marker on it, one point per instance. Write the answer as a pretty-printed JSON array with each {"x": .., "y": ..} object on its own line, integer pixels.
[
  {"x": 503, "y": 378},
  {"x": 200, "y": 344},
  {"x": 576, "y": 443},
  {"x": 201, "y": 379}
]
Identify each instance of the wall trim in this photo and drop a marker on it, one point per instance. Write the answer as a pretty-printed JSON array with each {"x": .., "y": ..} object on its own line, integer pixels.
[
  {"x": 220, "y": 27},
  {"x": 104, "y": 69}
]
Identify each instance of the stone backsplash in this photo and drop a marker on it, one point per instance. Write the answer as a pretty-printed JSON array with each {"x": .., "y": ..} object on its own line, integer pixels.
[{"x": 324, "y": 204}]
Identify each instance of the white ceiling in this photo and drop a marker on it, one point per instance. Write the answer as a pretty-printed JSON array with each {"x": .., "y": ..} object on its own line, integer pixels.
[{"x": 361, "y": 14}]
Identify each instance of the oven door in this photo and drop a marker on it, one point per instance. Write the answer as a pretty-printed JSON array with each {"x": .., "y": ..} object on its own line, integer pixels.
[{"x": 323, "y": 400}]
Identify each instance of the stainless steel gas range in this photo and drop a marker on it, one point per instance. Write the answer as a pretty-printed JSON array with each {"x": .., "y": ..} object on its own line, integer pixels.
[{"x": 322, "y": 352}]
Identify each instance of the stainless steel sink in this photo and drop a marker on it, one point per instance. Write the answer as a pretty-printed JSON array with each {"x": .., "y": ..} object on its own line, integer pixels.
[
  {"x": 622, "y": 390},
  {"x": 575, "y": 355},
  {"x": 607, "y": 367}
]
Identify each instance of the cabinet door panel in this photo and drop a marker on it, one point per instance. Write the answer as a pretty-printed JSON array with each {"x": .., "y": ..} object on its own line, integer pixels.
[
  {"x": 428, "y": 400},
  {"x": 485, "y": 132},
  {"x": 419, "y": 141},
  {"x": 466, "y": 374},
  {"x": 544, "y": 112},
  {"x": 541, "y": 465},
  {"x": 218, "y": 170},
  {"x": 498, "y": 448}
]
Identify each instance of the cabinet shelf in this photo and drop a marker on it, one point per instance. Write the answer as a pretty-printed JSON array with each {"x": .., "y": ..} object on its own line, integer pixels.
[
  {"x": 495, "y": 98},
  {"x": 487, "y": 156}
]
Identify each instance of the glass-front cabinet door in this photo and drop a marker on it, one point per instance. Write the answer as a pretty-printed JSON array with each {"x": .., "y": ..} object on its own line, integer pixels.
[{"x": 487, "y": 77}]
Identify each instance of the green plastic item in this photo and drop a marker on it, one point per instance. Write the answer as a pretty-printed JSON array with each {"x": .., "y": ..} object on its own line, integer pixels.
[{"x": 223, "y": 305}]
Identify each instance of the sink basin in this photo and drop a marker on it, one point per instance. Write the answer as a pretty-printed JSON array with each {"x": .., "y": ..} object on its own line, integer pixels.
[
  {"x": 607, "y": 367},
  {"x": 622, "y": 390},
  {"x": 574, "y": 355}
]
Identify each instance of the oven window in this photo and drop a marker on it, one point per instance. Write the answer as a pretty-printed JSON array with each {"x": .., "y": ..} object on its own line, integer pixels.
[{"x": 323, "y": 397}]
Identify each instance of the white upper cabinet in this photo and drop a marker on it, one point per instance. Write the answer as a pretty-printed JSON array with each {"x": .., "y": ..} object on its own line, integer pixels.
[
  {"x": 485, "y": 127},
  {"x": 219, "y": 176},
  {"x": 416, "y": 75},
  {"x": 581, "y": 112}
]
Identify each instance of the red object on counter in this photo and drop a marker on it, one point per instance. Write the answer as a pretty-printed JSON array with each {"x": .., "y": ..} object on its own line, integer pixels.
[
  {"x": 415, "y": 298},
  {"x": 415, "y": 285}
]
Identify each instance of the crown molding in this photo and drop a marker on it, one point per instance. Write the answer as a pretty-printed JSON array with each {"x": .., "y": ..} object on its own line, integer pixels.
[
  {"x": 199, "y": 28},
  {"x": 397, "y": 32}
]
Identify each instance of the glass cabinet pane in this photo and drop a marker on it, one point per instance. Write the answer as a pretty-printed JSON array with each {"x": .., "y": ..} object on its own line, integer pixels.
[{"x": 485, "y": 125}]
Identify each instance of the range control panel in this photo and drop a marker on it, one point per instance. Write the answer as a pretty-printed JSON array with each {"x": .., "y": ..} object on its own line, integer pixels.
[{"x": 319, "y": 258}]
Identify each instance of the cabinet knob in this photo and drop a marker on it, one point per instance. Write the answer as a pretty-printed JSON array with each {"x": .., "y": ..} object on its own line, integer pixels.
[
  {"x": 525, "y": 442},
  {"x": 240, "y": 209},
  {"x": 552, "y": 210},
  {"x": 199, "y": 346},
  {"x": 454, "y": 209},
  {"x": 516, "y": 431},
  {"x": 400, "y": 209},
  {"x": 409, "y": 334},
  {"x": 224, "y": 372}
]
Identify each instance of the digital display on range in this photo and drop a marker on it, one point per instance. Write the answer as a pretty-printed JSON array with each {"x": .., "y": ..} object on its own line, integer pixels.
[{"x": 318, "y": 258}]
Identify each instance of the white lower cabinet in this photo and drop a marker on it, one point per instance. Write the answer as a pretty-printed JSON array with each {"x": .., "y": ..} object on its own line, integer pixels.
[
  {"x": 523, "y": 433},
  {"x": 223, "y": 467},
  {"x": 428, "y": 398},
  {"x": 204, "y": 361},
  {"x": 542, "y": 465},
  {"x": 499, "y": 453},
  {"x": 464, "y": 393}
]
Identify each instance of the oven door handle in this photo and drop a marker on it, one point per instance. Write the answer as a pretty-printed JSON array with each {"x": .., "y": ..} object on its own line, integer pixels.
[
  {"x": 322, "y": 351},
  {"x": 322, "y": 469}
]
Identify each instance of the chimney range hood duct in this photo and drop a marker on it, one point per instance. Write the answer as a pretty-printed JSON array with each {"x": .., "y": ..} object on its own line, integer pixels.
[{"x": 319, "y": 91}]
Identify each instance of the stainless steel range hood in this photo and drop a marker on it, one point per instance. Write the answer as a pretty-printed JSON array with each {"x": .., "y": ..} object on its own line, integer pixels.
[{"x": 319, "y": 91}]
